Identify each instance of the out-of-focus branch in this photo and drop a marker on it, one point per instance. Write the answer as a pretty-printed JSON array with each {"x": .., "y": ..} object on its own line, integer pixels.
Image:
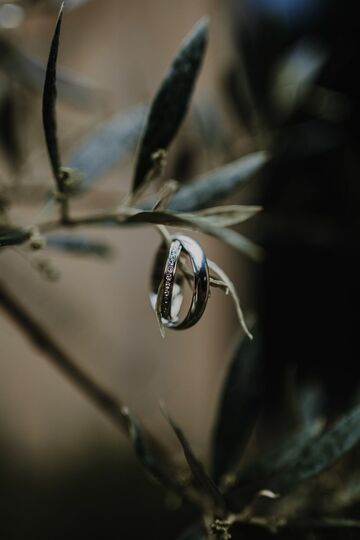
[
  {"x": 39, "y": 337},
  {"x": 154, "y": 457}
]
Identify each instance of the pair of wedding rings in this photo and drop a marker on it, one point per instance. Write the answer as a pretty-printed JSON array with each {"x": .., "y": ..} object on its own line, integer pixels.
[{"x": 167, "y": 281}]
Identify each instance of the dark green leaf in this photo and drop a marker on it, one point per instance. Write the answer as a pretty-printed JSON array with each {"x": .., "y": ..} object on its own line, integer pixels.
[
  {"x": 201, "y": 224},
  {"x": 9, "y": 136},
  {"x": 167, "y": 191},
  {"x": 311, "y": 404},
  {"x": 309, "y": 401},
  {"x": 216, "y": 185},
  {"x": 78, "y": 245},
  {"x": 70, "y": 4},
  {"x": 219, "y": 278},
  {"x": 145, "y": 455},
  {"x": 322, "y": 452},
  {"x": 240, "y": 404},
  {"x": 295, "y": 74},
  {"x": 12, "y": 236},
  {"x": 239, "y": 95},
  {"x": 197, "y": 468},
  {"x": 49, "y": 106},
  {"x": 107, "y": 146},
  {"x": 258, "y": 474},
  {"x": 171, "y": 102},
  {"x": 229, "y": 215},
  {"x": 30, "y": 72}
]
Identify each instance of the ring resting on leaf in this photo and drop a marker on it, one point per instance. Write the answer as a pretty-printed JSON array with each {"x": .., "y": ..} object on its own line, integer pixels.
[{"x": 167, "y": 282}]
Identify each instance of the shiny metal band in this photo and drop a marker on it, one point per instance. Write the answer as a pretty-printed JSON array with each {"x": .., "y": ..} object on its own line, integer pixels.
[{"x": 164, "y": 273}]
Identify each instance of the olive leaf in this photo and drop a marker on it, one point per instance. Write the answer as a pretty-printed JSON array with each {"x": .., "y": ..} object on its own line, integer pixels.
[
  {"x": 12, "y": 236},
  {"x": 237, "y": 90},
  {"x": 239, "y": 407},
  {"x": 9, "y": 134},
  {"x": 229, "y": 287},
  {"x": 197, "y": 223},
  {"x": 108, "y": 145},
  {"x": 145, "y": 454},
  {"x": 30, "y": 72},
  {"x": 227, "y": 216},
  {"x": 309, "y": 410},
  {"x": 197, "y": 468},
  {"x": 295, "y": 74},
  {"x": 78, "y": 245},
  {"x": 321, "y": 453},
  {"x": 167, "y": 191},
  {"x": 215, "y": 185},
  {"x": 257, "y": 474},
  {"x": 49, "y": 106},
  {"x": 311, "y": 404},
  {"x": 171, "y": 101},
  {"x": 70, "y": 4}
]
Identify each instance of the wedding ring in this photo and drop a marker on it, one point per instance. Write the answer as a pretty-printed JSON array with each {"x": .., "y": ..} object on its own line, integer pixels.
[{"x": 168, "y": 282}]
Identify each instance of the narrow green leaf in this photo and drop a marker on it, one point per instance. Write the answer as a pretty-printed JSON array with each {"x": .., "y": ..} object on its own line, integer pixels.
[
  {"x": 218, "y": 184},
  {"x": 78, "y": 245},
  {"x": 200, "y": 224},
  {"x": 197, "y": 468},
  {"x": 9, "y": 126},
  {"x": 257, "y": 474},
  {"x": 227, "y": 216},
  {"x": 49, "y": 105},
  {"x": 310, "y": 402},
  {"x": 145, "y": 454},
  {"x": 30, "y": 72},
  {"x": 12, "y": 236},
  {"x": 229, "y": 288},
  {"x": 107, "y": 146},
  {"x": 295, "y": 74},
  {"x": 239, "y": 407},
  {"x": 171, "y": 101},
  {"x": 323, "y": 452},
  {"x": 71, "y": 4},
  {"x": 167, "y": 191}
]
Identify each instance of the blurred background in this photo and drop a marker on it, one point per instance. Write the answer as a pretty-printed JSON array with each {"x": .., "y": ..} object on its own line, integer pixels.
[
  {"x": 277, "y": 75},
  {"x": 65, "y": 471}
]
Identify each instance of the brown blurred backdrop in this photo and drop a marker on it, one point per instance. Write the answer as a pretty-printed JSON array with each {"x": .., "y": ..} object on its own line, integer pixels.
[{"x": 99, "y": 310}]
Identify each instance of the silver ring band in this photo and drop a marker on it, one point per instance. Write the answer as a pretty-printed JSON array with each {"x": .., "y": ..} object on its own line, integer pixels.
[
  {"x": 169, "y": 279},
  {"x": 164, "y": 274}
]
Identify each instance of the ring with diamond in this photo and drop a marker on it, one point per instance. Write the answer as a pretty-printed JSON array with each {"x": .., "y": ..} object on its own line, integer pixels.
[{"x": 166, "y": 285}]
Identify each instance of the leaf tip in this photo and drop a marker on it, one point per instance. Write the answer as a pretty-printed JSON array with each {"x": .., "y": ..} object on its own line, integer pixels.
[
  {"x": 164, "y": 411},
  {"x": 268, "y": 494},
  {"x": 202, "y": 26},
  {"x": 60, "y": 14},
  {"x": 125, "y": 411}
]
